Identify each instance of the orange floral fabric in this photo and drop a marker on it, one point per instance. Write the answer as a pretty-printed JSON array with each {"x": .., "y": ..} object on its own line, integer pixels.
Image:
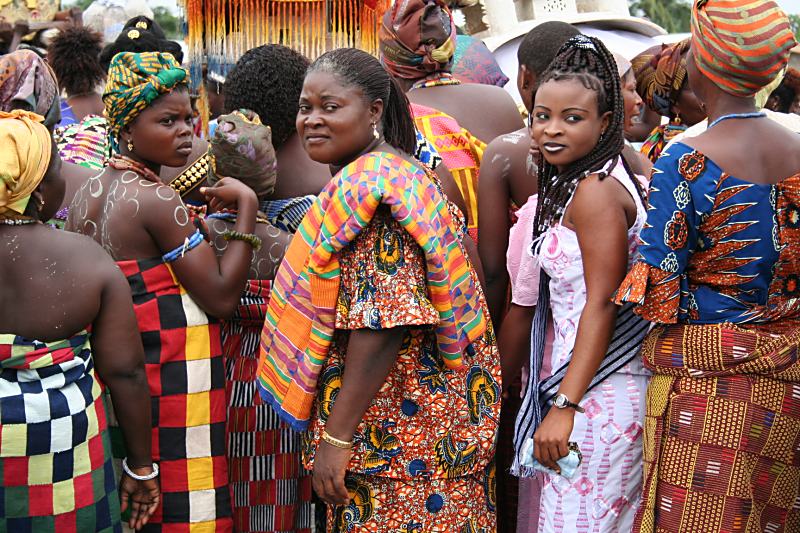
[{"x": 427, "y": 421}]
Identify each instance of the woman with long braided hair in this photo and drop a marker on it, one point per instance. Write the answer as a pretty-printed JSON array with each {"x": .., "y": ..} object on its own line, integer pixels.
[{"x": 581, "y": 419}]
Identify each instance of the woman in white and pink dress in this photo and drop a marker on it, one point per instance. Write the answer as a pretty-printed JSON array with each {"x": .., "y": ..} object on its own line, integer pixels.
[{"x": 586, "y": 384}]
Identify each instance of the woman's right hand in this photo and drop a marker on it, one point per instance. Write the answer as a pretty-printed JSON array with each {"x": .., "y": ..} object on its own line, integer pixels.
[
  {"x": 142, "y": 496},
  {"x": 229, "y": 193}
]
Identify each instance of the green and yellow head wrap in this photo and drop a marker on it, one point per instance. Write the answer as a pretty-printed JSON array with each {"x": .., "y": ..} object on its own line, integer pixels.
[{"x": 134, "y": 81}]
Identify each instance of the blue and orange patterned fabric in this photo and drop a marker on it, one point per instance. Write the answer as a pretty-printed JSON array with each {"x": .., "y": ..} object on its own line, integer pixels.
[
  {"x": 716, "y": 248},
  {"x": 719, "y": 266},
  {"x": 56, "y": 469}
]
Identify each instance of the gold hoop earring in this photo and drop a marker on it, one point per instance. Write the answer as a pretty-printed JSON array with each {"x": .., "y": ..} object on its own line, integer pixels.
[
  {"x": 130, "y": 145},
  {"x": 375, "y": 131}
]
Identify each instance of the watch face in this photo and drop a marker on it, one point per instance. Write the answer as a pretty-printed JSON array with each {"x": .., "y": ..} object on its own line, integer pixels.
[{"x": 560, "y": 401}]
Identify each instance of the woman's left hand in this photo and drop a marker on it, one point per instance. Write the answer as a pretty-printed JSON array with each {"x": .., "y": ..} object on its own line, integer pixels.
[
  {"x": 330, "y": 465},
  {"x": 550, "y": 442}
]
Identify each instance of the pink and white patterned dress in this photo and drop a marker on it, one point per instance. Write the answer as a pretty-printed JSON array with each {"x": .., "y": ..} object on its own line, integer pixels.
[{"x": 604, "y": 495}]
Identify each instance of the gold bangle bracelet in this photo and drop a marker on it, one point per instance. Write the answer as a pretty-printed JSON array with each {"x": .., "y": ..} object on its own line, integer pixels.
[{"x": 333, "y": 441}]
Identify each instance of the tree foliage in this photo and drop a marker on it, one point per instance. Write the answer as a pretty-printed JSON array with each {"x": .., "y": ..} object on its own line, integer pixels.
[
  {"x": 168, "y": 22},
  {"x": 795, "y": 21},
  {"x": 672, "y": 15}
]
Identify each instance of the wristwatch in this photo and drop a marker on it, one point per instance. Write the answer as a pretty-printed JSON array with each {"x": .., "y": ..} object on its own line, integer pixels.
[{"x": 562, "y": 402}]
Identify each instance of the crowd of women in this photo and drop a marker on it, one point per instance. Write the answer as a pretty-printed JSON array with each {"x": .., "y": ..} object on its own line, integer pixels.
[{"x": 359, "y": 305}]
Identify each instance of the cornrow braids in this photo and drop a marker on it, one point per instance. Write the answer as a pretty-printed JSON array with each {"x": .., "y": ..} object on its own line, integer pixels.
[{"x": 586, "y": 60}]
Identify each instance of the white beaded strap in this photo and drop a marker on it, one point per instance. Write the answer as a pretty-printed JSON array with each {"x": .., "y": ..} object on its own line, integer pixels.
[{"x": 151, "y": 475}]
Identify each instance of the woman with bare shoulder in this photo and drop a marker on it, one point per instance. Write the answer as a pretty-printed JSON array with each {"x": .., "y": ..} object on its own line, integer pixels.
[
  {"x": 66, "y": 323},
  {"x": 179, "y": 285}
]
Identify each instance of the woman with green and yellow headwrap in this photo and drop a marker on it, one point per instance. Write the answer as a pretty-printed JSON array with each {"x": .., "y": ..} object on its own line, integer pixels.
[
  {"x": 56, "y": 452},
  {"x": 718, "y": 275},
  {"x": 178, "y": 284}
]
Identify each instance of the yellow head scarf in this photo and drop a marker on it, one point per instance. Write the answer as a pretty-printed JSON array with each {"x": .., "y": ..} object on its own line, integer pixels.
[{"x": 25, "y": 149}]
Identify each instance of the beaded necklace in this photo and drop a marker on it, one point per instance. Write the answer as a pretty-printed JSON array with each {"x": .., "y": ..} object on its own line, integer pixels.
[
  {"x": 17, "y": 221},
  {"x": 123, "y": 162},
  {"x": 436, "y": 80},
  {"x": 753, "y": 114}
]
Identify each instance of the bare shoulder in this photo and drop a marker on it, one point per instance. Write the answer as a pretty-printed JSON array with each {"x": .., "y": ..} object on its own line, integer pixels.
[
  {"x": 508, "y": 143},
  {"x": 596, "y": 191},
  {"x": 161, "y": 204},
  {"x": 80, "y": 251},
  {"x": 761, "y": 151},
  {"x": 495, "y": 96}
]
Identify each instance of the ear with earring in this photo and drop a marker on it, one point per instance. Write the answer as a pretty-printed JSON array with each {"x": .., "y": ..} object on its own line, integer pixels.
[
  {"x": 37, "y": 196},
  {"x": 130, "y": 145},
  {"x": 375, "y": 131}
]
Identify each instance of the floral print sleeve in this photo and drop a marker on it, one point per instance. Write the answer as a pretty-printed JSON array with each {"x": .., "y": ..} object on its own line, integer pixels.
[
  {"x": 668, "y": 238},
  {"x": 383, "y": 282}
]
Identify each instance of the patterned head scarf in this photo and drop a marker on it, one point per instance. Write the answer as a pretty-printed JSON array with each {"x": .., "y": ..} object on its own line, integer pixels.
[
  {"x": 740, "y": 45},
  {"x": 27, "y": 82},
  {"x": 242, "y": 148},
  {"x": 25, "y": 149},
  {"x": 417, "y": 38},
  {"x": 660, "y": 74},
  {"x": 134, "y": 81}
]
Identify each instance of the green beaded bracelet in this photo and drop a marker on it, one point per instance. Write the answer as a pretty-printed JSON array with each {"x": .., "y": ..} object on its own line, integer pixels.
[{"x": 249, "y": 238}]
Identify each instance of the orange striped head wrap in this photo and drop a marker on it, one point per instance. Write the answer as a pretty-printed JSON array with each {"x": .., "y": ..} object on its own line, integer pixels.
[{"x": 740, "y": 45}]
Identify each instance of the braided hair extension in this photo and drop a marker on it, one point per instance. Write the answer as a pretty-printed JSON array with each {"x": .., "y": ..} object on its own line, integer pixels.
[{"x": 586, "y": 60}]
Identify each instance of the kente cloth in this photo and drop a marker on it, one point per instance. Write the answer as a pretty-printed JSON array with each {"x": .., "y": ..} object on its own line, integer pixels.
[
  {"x": 425, "y": 153},
  {"x": 427, "y": 420},
  {"x": 740, "y": 45},
  {"x": 27, "y": 82},
  {"x": 659, "y": 138},
  {"x": 722, "y": 431},
  {"x": 660, "y": 74},
  {"x": 382, "y": 505},
  {"x": 25, "y": 149},
  {"x": 85, "y": 143},
  {"x": 55, "y": 455},
  {"x": 460, "y": 151},
  {"x": 186, "y": 377},
  {"x": 134, "y": 81},
  {"x": 287, "y": 214},
  {"x": 241, "y": 148},
  {"x": 271, "y": 489},
  {"x": 301, "y": 316},
  {"x": 417, "y": 38},
  {"x": 716, "y": 248},
  {"x": 474, "y": 63}
]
